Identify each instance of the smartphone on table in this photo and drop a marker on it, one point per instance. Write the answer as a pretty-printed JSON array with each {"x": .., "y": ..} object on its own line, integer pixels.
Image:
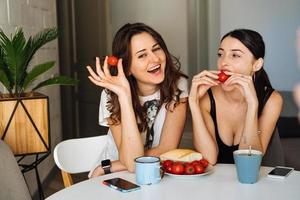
[
  {"x": 121, "y": 184},
  {"x": 280, "y": 172}
]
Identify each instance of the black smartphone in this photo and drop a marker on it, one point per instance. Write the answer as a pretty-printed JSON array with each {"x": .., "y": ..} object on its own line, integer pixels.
[
  {"x": 280, "y": 172},
  {"x": 121, "y": 184}
]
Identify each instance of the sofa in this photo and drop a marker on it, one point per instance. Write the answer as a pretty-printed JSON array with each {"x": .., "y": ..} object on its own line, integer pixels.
[
  {"x": 12, "y": 182},
  {"x": 289, "y": 131}
]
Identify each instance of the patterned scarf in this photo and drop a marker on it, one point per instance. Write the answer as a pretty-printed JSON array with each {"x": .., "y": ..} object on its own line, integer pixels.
[{"x": 152, "y": 107}]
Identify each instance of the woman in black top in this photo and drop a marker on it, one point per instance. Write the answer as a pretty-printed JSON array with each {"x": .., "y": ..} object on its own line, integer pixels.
[{"x": 240, "y": 112}]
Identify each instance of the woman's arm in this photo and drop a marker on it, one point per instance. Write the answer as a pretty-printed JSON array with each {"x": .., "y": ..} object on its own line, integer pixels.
[
  {"x": 250, "y": 136},
  {"x": 204, "y": 130},
  {"x": 245, "y": 85},
  {"x": 116, "y": 166},
  {"x": 203, "y": 127},
  {"x": 256, "y": 132},
  {"x": 126, "y": 134},
  {"x": 129, "y": 138},
  {"x": 172, "y": 129}
]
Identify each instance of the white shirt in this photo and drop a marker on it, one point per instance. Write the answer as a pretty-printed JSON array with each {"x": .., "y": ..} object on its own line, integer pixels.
[{"x": 111, "y": 151}]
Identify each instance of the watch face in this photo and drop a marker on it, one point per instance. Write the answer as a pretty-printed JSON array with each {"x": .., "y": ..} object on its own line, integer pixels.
[{"x": 105, "y": 163}]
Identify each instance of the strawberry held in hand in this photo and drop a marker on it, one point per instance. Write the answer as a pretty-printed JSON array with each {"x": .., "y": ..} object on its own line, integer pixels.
[
  {"x": 223, "y": 77},
  {"x": 112, "y": 60}
]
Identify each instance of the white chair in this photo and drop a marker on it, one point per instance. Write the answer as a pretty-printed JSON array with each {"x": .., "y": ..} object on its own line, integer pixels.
[{"x": 79, "y": 155}]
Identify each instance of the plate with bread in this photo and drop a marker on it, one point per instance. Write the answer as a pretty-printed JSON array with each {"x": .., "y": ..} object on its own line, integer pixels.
[{"x": 185, "y": 163}]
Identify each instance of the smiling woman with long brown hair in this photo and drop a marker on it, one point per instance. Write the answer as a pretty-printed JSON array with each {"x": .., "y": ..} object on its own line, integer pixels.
[{"x": 145, "y": 104}]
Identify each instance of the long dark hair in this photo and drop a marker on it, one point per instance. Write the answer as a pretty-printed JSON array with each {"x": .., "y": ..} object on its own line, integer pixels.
[
  {"x": 169, "y": 91},
  {"x": 255, "y": 43}
]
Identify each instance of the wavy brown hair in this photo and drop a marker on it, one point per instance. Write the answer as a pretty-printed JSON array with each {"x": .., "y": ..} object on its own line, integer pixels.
[{"x": 169, "y": 91}]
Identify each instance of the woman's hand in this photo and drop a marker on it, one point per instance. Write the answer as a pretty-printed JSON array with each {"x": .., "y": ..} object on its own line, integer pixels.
[
  {"x": 98, "y": 171},
  {"x": 245, "y": 84},
  {"x": 201, "y": 83},
  {"x": 117, "y": 84}
]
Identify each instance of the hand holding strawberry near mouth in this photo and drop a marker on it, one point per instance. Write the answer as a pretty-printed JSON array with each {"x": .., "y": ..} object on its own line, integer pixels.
[{"x": 223, "y": 77}]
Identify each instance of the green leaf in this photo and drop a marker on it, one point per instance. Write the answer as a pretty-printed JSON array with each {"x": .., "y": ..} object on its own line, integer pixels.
[
  {"x": 13, "y": 54},
  {"x": 4, "y": 80},
  {"x": 34, "y": 44},
  {"x": 16, "y": 54},
  {"x": 40, "y": 39},
  {"x": 59, "y": 80},
  {"x": 36, "y": 71},
  {"x": 5, "y": 77}
]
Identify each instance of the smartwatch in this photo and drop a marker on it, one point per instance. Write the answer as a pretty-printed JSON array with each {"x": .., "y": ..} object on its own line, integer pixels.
[{"x": 106, "y": 164}]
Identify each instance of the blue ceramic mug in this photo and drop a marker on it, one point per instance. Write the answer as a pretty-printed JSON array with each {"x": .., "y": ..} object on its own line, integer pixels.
[
  {"x": 147, "y": 170},
  {"x": 247, "y": 165}
]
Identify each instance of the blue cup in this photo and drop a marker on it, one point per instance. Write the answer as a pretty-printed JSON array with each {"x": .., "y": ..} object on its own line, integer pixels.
[
  {"x": 247, "y": 165},
  {"x": 147, "y": 170}
]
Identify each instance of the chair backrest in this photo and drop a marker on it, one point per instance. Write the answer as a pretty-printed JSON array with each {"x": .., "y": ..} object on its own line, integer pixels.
[
  {"x": 274, "y": 155},
  {"x": 79, "y": 155},
  {"x": 12, "y": 182}
]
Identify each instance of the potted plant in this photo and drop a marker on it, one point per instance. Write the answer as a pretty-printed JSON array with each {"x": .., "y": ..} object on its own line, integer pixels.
[{"x": 24, "y": 113}]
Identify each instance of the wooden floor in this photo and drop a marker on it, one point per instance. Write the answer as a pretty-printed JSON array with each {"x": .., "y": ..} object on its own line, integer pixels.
[{"x": 55, "y": 183}]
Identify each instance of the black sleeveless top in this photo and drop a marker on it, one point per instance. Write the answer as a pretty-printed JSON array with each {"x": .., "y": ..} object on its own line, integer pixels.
[{"x": 226, "y": 152}]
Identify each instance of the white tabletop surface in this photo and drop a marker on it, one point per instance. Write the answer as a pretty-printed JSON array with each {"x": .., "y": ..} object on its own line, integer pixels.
[{"x": 221, "y": 184}]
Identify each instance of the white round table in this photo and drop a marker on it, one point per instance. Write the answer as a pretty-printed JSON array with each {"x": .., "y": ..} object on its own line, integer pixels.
[{"x": 221, "y": 184}]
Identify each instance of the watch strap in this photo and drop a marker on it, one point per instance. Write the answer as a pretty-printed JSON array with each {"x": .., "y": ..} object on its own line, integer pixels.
[
  {"x": 106, "y": 169},
  {"x": 106, "y": 164}
]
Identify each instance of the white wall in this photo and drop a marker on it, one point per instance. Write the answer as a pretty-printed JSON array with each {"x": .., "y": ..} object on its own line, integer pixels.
[
  {"x": 33, "y": 16},
  {"x": 213, "y": 32},
  {"x": 277, "y": 21},
  {"x": 168, "y": 17}
]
